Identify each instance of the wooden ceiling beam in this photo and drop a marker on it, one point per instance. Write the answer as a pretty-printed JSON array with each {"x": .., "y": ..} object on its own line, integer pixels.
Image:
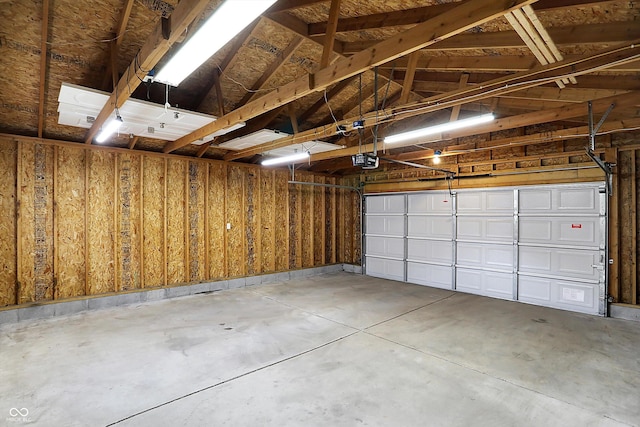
[
  {"x": 299, "y": 27},
  {"x": 609, "y": 33},
  {"x": 485, "y": 63},
  {"x": 284, "y": 5},
  {"x": 489, "y": 89},
  {"x": 44, "y": 36},
  {"x": 329, "y": 37},
  {"x": 465, "y": 16},
  {"x": 112, "y": 67},
  {"x": 569, "y": 94},
  {"x": 408, "y": 77},
  {"x": 154, "y": 48},
  {"x": 421, "y": 14},
  {"x": 527, "y": 119}
]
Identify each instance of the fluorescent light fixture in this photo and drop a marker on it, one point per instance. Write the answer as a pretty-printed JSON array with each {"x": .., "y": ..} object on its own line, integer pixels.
[
  {"x": 436, "y": 157},
  {"x": 224, "y": 24},
  {"x": 434, "y": 130},
  {"x": 286, "y": 159},
  {"x": 111, "y": 128}
]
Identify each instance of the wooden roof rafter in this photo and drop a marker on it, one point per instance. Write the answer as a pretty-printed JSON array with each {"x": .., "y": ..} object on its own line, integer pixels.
[
  {"x": 512, "y": 122},
  {"x": 43, "y": 65},
  {"x": 154, "y": 48},
  {"x": 421, "y": 14},
  {"x": 490, "y": 89},
  {"x": 457, "y": 20},
  {"x": 606, "y": 33}
]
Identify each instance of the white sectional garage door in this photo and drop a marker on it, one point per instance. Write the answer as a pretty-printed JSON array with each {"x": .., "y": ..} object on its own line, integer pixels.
[{"x": 542, "y": 245}]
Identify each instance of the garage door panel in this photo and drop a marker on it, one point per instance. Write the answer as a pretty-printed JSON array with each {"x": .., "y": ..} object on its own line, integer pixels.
[
  {"x": 564, "y": 294},
  {"x": 430, "y": 226},
  {"x": 437, "y": 276},
  {"x": 385, "y": 225},
  {"x": 385, "y": 268},
  {"x": 489, "y": 283},
  {"x": 573, "y": 263},
  {"x": 568, "y": 231},
  {"x": 481, "y": 228},
  {"x": 485, "y": 202},
  {"x": 391, "y": 247},
  {"x": 563, "y": 200},
  {"x": 485, "y": 255},
  {"x": 440, "y": 251},
  {"x": 434, "y": 203},
  {"x": 385, "y": 204}
]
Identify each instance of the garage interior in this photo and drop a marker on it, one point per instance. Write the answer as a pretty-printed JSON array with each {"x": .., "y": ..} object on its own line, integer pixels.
[{"x": 164, "y": 273}]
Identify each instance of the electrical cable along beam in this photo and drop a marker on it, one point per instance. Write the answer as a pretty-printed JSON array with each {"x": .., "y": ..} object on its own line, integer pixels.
[
  {"x": 156, "y": 46},
  {"x": 519, "y": 81},
  {"x": 448, "y": 24}
]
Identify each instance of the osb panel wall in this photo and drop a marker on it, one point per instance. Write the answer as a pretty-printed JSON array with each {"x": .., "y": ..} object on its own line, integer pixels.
[
  {"x": 176, "y": 217},
  {"x": 154, "y": 218},
  {"x": 8, "y": 277},
  {"x": 70, "y": 217},
  {"x": 82, "y": 220},
  {"x": 101, "y": 211}
]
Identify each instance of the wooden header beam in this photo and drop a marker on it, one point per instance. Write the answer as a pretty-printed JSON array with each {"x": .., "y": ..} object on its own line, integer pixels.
[
  {"x": 465, "y": 16},
  {"x": 147, "y": 57}
]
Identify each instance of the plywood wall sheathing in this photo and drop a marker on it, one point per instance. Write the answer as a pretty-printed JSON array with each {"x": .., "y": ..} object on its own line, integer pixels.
[
  {"x": 319, "y": 228},
  {"x": 8, "y": 278},
  {"x": 153, "y": 221},
  {"x": 123, "y": 219},
  {"x": 268, "y": 248},
  {"x": 217, "y": 220},
  {"x": 236, "y": 258},
  {"x": 36, "y": 224},
  {"x": 176, "y": 203},
  {"x": 252, "y": 221},
  {"x": 100, "y": 233},
  {"x": 295, "y": 226},
  {"x": 70, "y": 230},
  {"x": 197, "y": 244},
  {"x": 307, "y": 221},
  {"x": 281, "y": 220},
  {"x": 127, "y": 223}
]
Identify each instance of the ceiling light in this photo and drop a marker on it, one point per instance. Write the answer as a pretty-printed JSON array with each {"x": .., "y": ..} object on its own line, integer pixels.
[
  {"x": 436, "y": 157},
  {"x": 286, "y": 159},
  {"x": 225, "y": 23},
  {"x": 434, "y": 130},
  {"x": 111, "y": 128}
]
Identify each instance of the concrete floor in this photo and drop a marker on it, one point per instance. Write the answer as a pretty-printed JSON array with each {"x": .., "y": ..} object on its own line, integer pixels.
[{"x": 339, "y": 349}]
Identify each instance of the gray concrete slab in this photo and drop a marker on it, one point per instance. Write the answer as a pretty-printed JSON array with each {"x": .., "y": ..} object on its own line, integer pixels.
[
  {"x": 587, "y": 361},
  {"x": 352, "y": 300},
  {"x": 339, "y": 349},
  {"x": 98, "y": 367},
  {"x": 342, "y": 385}
]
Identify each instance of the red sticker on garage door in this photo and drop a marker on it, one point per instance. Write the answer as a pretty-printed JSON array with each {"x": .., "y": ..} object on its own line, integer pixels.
[{"x": 576, "y": 225}]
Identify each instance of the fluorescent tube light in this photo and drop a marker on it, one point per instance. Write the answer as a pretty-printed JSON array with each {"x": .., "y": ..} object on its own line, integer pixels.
[
  {"x": 226, "y": 22},
  {"x": 434, "y": 130},
  {"x": 286, "y": 159},
  {"x": 111, "y": 128}
]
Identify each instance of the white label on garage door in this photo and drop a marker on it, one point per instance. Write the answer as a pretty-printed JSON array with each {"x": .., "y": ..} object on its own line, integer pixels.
[{"x": 576, "y": 295}]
